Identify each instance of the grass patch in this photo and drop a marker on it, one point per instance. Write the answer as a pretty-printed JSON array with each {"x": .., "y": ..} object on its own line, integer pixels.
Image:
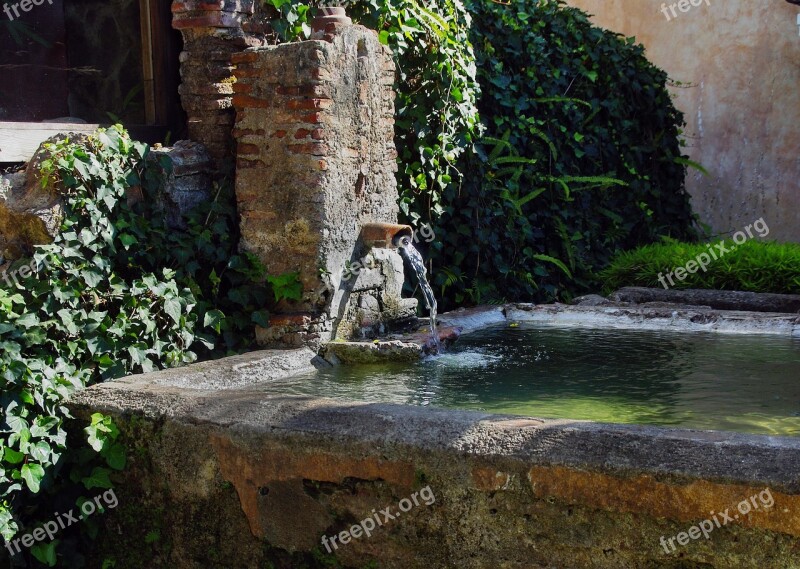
[{"x": 755, "y": 266}]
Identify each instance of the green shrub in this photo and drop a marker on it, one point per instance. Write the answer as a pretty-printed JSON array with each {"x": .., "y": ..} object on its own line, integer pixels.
[
  {"x": 116, "y": 293},
  {"x": 581, "y": 159},
  {"x": 755, "y": 266}
]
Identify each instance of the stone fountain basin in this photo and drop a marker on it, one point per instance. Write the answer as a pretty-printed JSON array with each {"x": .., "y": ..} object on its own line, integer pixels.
[{"x": 258, "y": 479}]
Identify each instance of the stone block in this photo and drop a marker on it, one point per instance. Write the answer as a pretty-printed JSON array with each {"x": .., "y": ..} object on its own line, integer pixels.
[{"x": 186, "y": 173}]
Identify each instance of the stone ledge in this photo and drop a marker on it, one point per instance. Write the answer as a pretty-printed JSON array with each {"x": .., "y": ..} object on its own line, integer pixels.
[
  {"x": 401, "y": 348},
  {"x": 717, "y": 299},
  {"x": 285, "y": 470},
  {"x": 673, "y": 317},
  {"x": 226, "y": 373},
  {"x": 620, "y": 450}
]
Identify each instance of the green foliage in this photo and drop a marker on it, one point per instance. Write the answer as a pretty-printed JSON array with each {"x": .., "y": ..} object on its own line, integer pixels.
[
  {"x": 755, "y": 266},
  {"x": 581, "y": 159},
  {"x": 117, "y": 292},
  {"x": 581, "y": 156},
  {"x": 437, "y": 118},
  {"x": 286, "y": 286}
]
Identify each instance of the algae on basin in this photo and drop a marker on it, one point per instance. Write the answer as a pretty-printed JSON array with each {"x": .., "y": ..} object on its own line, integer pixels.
[{"x": 692, "y": 380}]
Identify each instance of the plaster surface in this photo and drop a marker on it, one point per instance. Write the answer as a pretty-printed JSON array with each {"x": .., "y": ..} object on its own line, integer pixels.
[{"x": 737, "y": 62}]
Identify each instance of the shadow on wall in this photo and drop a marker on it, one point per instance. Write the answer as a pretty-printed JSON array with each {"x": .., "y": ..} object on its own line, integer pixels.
[{"x": 736, "y": 61}]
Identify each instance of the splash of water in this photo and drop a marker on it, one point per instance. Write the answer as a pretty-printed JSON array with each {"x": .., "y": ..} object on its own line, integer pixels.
[{"x": 416, "y": 261}]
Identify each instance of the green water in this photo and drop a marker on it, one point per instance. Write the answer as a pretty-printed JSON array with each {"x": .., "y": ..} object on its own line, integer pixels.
[{"x": 706, "y": 381}]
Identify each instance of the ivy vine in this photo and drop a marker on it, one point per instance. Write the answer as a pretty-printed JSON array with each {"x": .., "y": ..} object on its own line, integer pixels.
[{"x": 117, "y": 292}]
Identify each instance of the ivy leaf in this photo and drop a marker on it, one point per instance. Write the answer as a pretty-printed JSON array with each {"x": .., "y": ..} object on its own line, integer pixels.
[
  {"x": 12, "y": 456},
  {"x": 32, "y": 474},
  {"x": 173, "y": 308},
  {"x": 115, "y": 456},
  {"x": 128, "y": 240},
  {"x": 286, "y": 286},
  {"x": 46, "y": 552},
  {"x": 40, "y": 451},
  {"x": 99, "y": 478},
  {"x": 213, "y": 319}
]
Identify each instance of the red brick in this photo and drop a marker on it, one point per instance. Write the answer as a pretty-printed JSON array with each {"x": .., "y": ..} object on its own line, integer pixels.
[
  {"x": 245, "y": 148},
  {"x": 247, "y": 72},
  {"x": 240, "y": 132},
  {"x": 244, "y": 57},
  {"x": 283, "y": 90},
  {"x": 279, "y": 134},
  {"x": 290, "y": 320},
  {"x": 247, "y": 101},
  {"x": 302, "y": 133},
  {"x": 313, "y": 148},
  {"x": 242, "y": 88},
  {"x": 211, "y": 20},
  {"x": 311, "y": 104},
  {"x": 313, "y": 118},
  {"x": 262, "y": 28},
  {"x": 244, "y": 163}
]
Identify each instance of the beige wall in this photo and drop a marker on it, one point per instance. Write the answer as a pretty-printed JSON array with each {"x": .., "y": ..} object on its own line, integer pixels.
[{"x": 742, "y": 59}]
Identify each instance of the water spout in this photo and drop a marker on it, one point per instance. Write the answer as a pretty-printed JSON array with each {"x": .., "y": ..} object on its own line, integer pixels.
[
  {"x": 406, "y": 246},
  {"x": 384, "y": 235}
]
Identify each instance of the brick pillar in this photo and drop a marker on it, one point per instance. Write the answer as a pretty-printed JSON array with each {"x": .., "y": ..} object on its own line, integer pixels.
[
  {"x": 316, "y": 161},
  {"x": 213, "y": 30}
]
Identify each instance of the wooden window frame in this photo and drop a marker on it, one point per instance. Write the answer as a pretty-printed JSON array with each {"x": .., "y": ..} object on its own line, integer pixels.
[{"x": 19, "y": 140}]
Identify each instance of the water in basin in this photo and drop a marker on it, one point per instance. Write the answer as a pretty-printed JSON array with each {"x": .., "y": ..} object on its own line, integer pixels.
[{"x": 692, "y": 380}]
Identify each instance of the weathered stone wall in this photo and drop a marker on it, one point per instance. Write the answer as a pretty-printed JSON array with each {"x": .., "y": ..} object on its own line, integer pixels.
[
  {"x": 213, "y": 30},
  {"x": 315, "y": 161},
  {"x": 241, "y": 479},
  {"x": 737, "y": 60},
  {"x": 185, "y": 170}
]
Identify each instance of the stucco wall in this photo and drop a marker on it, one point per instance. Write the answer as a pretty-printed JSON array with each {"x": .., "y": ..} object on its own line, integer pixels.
[{"x": 742, "y": 61}]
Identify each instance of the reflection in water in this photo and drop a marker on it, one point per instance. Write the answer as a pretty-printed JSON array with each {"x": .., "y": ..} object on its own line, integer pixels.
[{"x": 706, "y": 381}]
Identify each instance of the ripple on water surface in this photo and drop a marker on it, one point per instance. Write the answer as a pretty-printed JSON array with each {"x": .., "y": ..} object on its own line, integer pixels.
[{"x": 706, "y": 381}]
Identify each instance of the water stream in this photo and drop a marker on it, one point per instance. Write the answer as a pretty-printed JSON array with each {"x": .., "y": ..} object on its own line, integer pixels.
[{"x": 416, "y": 261}]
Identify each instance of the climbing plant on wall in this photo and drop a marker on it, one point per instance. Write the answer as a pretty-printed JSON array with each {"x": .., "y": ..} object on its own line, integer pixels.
[{"x": 117, "y": 292}]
